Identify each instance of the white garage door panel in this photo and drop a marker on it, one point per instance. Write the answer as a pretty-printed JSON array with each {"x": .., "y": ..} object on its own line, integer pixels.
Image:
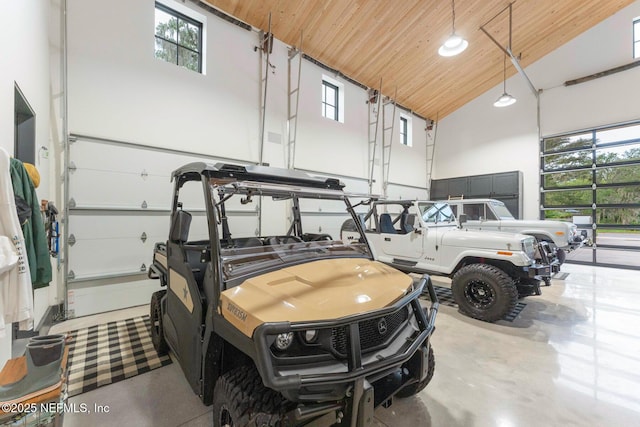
[
  {"x": 131, "y": 159},
  {"x": 242, "y": 226},
  {"x": 319, "y": 205},
  {"x": 110, "y": 189},
  {"x": 120, "y": 226},
  {"x": 397, "y": 191},
  {"x": 109, "y": 244},
  {"x": 95, "y": 258},
  {"x": 329, "y": 224}
]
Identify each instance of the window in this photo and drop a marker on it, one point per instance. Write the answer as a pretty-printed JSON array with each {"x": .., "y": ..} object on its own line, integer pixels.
[
  {"x": 329, "y": 100},
  {"x": 25, "y": 128},
  {"x": 474, "y": 211},
  {"x": 405, "y": 130},
  {"x": 332, "y": 99},
  {"x": 178, "y": 38},
  {"x": 436, "y": 212},
  {"x": 636, "y": 37}
]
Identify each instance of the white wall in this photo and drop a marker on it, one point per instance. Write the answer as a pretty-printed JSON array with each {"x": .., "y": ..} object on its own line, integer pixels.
[
  {"x": 118, "y": 90},
  {"x": 479, "y": 138},
  {"x": 25, "y": 61}
]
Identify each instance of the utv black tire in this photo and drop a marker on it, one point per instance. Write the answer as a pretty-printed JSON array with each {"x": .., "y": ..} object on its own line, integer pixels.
[
  {"x": 155, "y": 319},
  {"x": 240, "y": 399},
  {"x": 484, "y": 292},
  {"x": 416, "y": 388}
]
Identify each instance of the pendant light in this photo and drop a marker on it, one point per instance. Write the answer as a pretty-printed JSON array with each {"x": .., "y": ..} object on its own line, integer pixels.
[
  {"x": 505, "y": 99},
  {"x": 454, "y": 44}
]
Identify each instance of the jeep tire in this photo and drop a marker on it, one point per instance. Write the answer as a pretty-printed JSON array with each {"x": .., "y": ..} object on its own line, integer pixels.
[
  {"x": 484, "y": 292},
  {"x": 417, "y": 387},
  {"x": 155, "y": 319},
  {"x": 240, "y": 399}
]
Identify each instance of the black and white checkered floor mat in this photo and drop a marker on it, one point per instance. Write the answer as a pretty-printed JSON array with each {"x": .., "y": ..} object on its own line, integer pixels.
[
  {"x": 445, "y": 296},
  {"x": 109, "y": 353}
]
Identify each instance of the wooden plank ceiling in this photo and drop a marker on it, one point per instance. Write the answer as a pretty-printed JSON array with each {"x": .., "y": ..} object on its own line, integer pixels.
[{"x": 397, "y": 40}]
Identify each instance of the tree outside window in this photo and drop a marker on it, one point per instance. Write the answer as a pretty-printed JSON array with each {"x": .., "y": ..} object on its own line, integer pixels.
[{"x": 178, "y": 38}]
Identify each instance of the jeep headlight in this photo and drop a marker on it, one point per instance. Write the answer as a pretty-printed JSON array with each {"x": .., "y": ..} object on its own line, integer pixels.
[
  {"x": 529, "y": 247},
  {"x": 284, "y": 340},
  {"x": 573, "y": 230}
]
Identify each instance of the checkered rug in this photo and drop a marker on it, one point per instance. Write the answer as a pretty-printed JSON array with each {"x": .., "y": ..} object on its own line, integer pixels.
[
  {"x": 109, "y": 353},
  {"x": 445, "y": 296}
]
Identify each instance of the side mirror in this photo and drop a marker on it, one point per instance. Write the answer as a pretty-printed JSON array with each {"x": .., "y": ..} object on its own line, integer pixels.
[
  {"x": 462, "y": 218},
  {"x": 180, "y": 223}
]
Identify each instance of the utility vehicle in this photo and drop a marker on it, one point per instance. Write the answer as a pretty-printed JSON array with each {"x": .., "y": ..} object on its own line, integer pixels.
[{"x": 287, "y": 327}]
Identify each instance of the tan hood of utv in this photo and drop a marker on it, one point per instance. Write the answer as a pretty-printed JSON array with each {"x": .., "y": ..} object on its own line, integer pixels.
[{"x": 319, "y": 290}]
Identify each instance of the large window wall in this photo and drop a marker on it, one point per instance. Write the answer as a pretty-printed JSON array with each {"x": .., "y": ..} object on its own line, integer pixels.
[{"x": 593, "y": 179}]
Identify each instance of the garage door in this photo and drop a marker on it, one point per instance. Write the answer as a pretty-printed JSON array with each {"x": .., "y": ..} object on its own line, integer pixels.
[
  {"x": 119, "y": 198},
  {"x": 593, "y": 179}
]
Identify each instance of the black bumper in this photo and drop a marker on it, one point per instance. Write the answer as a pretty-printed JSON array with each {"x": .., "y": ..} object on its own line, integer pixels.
[
  {"x": 336, "y": 382},
  {"x": 542, "y": 270}
]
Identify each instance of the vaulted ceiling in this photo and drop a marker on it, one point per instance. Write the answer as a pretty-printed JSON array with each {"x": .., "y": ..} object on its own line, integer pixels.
[{"x": 397, "y": 40}]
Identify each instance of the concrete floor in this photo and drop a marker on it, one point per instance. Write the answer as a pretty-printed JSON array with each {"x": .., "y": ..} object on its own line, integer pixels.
[{"x": 571, "y": 358}]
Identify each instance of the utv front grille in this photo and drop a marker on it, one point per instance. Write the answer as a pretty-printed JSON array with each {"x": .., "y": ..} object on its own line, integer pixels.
[{"x": 373, "y": 332}]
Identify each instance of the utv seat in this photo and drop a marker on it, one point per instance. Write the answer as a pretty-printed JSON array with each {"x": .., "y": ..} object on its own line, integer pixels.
[
  {"x": 386, "y": 225},
  {"x": 281, "y": 240},
  {"x": 246, "y": 242}
]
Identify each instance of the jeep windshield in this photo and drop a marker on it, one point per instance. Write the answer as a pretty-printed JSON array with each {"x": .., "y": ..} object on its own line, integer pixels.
[
  {"x": 436, "y": 212},
  {"x": 500, "y": 210},
  {"x": 306, "y": 228}
]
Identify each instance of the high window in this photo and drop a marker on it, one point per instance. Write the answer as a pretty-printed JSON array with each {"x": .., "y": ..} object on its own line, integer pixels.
[
  {"x": 636, "y": 37},
  {"x": 330, "y": 100},
  {"x": 178, "y": 38},
  {"x": 405, "y": 130}
]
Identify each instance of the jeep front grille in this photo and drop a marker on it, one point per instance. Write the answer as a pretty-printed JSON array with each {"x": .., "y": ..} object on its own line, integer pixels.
[{"x": 373, "y": 332}]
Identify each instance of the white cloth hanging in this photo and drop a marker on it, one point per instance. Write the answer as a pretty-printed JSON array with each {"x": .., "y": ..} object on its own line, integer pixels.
[{"x": 16, "y": 293}]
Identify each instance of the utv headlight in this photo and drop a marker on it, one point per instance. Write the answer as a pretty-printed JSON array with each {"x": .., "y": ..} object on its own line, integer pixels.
[
  {"x": 310, "y": 336},
  {"x": 284, "y": 340},
  {"x": 529, "y": 247}
]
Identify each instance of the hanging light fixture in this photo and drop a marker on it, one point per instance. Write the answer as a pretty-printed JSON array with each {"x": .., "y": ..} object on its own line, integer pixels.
[
  {"x": 454, "y": 44},
  {"x": 505, "y": 99}
]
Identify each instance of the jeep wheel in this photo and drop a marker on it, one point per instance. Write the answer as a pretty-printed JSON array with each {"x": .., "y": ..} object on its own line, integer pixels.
[
  {"x": 484, "y": 292},
  {"x": 416, "y": 388},
  {"x": 240, "y": 399},
  {"x": 155, "y": 318}
]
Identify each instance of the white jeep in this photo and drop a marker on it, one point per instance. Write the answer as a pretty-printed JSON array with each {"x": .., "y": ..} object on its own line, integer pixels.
[
  {"x": 493, "y": 215},
  {"x": 489, "y": 270}
]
